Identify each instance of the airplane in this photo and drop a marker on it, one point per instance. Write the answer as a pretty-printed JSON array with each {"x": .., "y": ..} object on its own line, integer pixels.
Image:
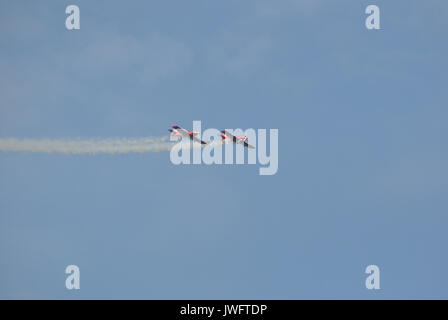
[
  {"x": 181, "y": 132},
  {"x": 227, "y": 136}
]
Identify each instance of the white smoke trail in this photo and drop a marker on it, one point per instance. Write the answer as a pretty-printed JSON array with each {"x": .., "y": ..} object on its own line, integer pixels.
[{"x": 87, "y": 146}]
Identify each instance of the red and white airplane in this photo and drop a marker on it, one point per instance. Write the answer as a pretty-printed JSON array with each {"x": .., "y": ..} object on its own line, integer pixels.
[
  {"x": 181, "y": 132},
  {"x": 227, "y": 136}
]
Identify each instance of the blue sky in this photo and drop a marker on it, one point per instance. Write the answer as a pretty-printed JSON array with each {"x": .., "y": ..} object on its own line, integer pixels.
[{"x": 362, "y": 149}]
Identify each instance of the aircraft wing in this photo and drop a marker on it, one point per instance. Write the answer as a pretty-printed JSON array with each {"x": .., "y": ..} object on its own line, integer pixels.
[
  {"x": 197, "y": 139},
  {"x": 182, "y": 131},
  {"x": 231, "y": 136},
  {"x": 248, "y": 145},
  {"x": 235, "y": 140},
  {"x": 188, "y": 134}
]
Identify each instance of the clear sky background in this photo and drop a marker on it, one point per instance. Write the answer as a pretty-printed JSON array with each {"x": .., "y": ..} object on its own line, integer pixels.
[{"x": 362, "y": 118}]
